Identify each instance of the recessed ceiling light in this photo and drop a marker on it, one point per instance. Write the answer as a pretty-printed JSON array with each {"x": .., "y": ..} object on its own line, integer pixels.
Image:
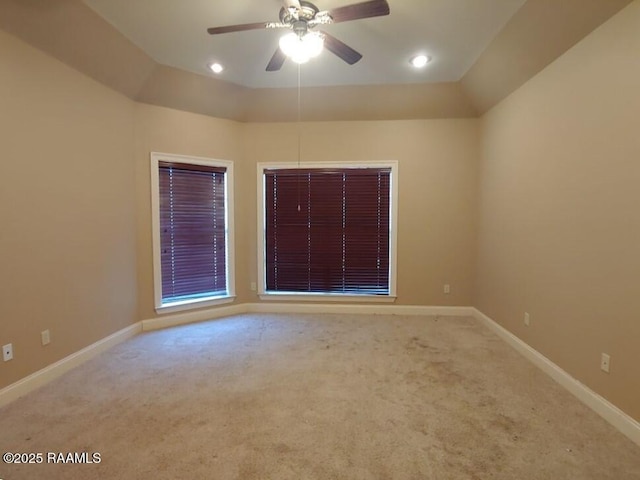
[
  {"x": 216, "y": 67},
  {"x": 420, "y": 61}
]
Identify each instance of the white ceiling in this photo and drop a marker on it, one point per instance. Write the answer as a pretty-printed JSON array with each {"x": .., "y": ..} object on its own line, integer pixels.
[{"x": 173, "y": 32}]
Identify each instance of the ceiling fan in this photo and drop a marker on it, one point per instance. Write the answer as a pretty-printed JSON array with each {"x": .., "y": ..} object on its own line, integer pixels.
[{"x": 302, "y": 17}]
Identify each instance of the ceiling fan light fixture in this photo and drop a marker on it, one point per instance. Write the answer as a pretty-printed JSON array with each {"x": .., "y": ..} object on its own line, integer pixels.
[
  {"x": 301, "y": 48},
  {"x": 300, "y": 59},
  {"x": 420, "y": 61},
  {"x": 313, "y": 43}
]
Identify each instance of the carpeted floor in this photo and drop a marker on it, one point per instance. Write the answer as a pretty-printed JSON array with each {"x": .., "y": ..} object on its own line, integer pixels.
[{"x": 313, "y": 397}]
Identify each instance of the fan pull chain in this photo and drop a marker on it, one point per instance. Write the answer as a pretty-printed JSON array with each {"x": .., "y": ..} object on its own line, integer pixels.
[{"x": 299, "y": 129}]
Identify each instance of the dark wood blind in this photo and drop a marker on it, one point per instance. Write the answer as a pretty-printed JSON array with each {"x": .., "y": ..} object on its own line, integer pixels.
[
  {"x": 192, "y": 231},
  {"x": 327, "y": 230}
]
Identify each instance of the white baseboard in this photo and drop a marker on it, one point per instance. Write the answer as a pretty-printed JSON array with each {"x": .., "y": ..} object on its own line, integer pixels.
[
  {"x": 365, "y": 309},
  {"x": 612, "y": 414},
  {"x": 166, "y": 321},
  {"x": 183, "y": 318},
  {"x": 53, "y": 371}
]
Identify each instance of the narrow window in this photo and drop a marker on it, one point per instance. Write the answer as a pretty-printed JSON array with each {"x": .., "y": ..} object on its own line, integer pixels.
[{"x": 191, "y": 242}]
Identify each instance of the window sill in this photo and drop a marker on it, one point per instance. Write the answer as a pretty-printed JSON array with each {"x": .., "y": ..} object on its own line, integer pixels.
[
  {"x": 193, "y": 304},
  {"x": 326, "y": 297}
]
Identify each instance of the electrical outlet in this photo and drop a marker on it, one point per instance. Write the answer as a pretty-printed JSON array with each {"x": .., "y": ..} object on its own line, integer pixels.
[
  {"x": 527, "y": 319},
  {"x": 253, "y": 286},
  {"x": 45, "y": 336},
  {"x": 447, "y": 288},
  {"x": 7, "y": 352},
  {"x": 605, "y": 362}
]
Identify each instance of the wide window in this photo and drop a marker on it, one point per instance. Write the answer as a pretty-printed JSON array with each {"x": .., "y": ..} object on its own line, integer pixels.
[
  {"x": 191, "y": 230},
  {"x": 328, "y": 230}
]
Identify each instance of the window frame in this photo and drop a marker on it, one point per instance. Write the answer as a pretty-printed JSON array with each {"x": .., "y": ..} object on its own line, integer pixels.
[
  {"x": 327, "y": 296},
  {"x": 212, "y": 300}
]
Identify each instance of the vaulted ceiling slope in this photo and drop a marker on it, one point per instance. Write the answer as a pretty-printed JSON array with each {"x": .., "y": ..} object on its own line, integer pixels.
[{"x": 539, "y": 32}]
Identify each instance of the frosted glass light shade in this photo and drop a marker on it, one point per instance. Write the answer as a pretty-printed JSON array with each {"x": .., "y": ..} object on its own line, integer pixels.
[
  {"x": 300, "y": 50},
  {"x": 313, "y": 43}
]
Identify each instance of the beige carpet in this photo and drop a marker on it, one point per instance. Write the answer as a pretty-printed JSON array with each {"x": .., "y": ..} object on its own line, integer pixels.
[{"x": 314, "y": 397}]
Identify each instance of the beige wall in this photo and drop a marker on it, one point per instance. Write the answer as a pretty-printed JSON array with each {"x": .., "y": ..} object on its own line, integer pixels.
[
  {"x": 553, "y": 168},
  {"x": 437, "y": 173},
  {"x": 67, "y": 239},
  {"x": 159, "y": 129},
  {"x": 437, "y": 180},
  {"x": 559, "y": 230}
]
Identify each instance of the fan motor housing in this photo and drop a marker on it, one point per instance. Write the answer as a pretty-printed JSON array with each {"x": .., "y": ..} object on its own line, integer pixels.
[{"x": 306, "y": 12}]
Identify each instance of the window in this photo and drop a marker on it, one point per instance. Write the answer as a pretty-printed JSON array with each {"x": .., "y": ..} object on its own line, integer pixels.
[
  {"x": 328, "y": 230},
  {"x": 192, "y": 235}
]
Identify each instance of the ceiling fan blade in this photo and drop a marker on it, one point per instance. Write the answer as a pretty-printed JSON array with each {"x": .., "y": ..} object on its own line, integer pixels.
[
  {"x": 237, "y": 28},
  {"x": 372, "y": 8},
  {"x": 276, "y": 61},
  {"x": 340, "y": 49}
]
